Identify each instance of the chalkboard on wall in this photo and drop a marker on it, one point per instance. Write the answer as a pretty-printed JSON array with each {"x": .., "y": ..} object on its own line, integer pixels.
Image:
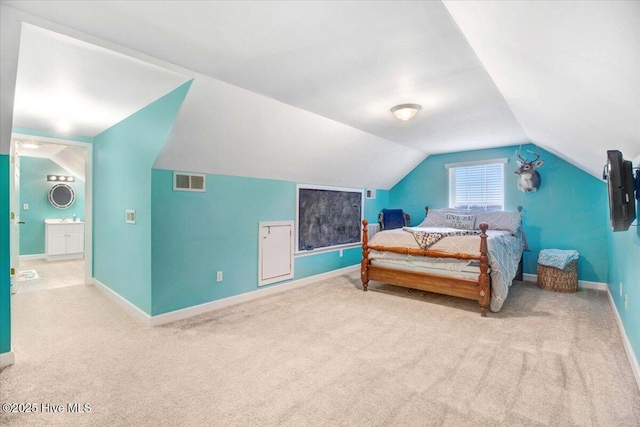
[{"x": 328, "y": 217}]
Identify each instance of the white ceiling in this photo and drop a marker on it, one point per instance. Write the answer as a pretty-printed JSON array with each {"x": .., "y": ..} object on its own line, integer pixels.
[
  {"x": 226, "y": 130},
  {"x": 570, "y": 71},
  {"x": 347, "y": 61},
  {"x": 351, "y": 62},
  {"x": 45, "y": 151},
  {"x": 70, "y": 158},
  {"x": 62, "y": 80},
  {"x": 562, "y": 74}
]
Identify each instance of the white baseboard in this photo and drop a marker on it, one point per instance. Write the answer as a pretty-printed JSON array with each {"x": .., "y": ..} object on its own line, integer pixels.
[
  {"x": 633, "y": 360},
  {"x": 33, "y": 256},
  {"x": 184, "y": 313},
  {"x": 195, "y": 310},
  {"x": 64, "y": 257},
  {"x": 123, "y": 302},
  {"x": 7, "y": 359},
  {"x": 584, "y": 284},
  {"x": 598, "y": 286}
]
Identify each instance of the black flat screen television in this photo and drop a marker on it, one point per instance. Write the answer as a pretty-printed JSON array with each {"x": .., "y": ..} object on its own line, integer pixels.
[{"x": 619, "y": 175}]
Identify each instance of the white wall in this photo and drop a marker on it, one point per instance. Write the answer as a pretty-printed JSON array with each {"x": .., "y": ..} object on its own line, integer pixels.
[{"x": 9, "y": 46}]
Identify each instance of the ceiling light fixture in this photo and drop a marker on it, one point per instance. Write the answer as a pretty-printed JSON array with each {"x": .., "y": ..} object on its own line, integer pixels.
[
  {"x": 405, "y": 112},
  {"x": 30, "y": 145},
  {"x": 60, "y": 178}
]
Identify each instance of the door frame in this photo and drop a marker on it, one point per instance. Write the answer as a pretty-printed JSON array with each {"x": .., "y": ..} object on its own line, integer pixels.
[
  {"x": 88, "y": 193},
  {"x": 14, "y": 228}
]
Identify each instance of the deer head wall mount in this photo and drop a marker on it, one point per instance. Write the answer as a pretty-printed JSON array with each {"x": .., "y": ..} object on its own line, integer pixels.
[{"x": 528, "y": 177}]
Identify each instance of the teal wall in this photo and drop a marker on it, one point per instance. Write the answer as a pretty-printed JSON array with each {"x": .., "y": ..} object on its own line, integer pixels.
[
  {"x": 624, "y": 267},
  {"x": 372, "y": 207},
  {"x": 194, "y": 235},
  {"x": 567, "y": 212},
  {"x": 122, "y": 160},
  {"x": 5, "y": 279},
  {"x": 34, "y": 190}
]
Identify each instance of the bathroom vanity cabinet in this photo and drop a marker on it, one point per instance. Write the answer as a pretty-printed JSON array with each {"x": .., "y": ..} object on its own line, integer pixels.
[{"x": 64, "y": 239}]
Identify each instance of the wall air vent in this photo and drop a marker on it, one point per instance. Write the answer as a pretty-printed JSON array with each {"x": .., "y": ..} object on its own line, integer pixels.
[{"x": 185, "y": 181}]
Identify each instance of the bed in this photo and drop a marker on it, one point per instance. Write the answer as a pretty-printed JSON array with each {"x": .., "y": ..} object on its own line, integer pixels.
[{"x": 477, "y": 259}]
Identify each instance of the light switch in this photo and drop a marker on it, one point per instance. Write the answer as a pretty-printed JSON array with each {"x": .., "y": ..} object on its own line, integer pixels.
[{"x": 25, "y": 207}]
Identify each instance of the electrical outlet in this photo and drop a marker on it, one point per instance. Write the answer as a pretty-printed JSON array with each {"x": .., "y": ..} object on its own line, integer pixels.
[
  {"x": 219, "y": 276},
  {"x": 620, "y": 289},
  {"x": 341, "y": 253},
  {"x": 25, "y": 207},
  {"x": 625, "y": 301}
]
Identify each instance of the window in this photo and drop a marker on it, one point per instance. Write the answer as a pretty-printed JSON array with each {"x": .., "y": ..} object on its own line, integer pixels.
[{"x": 477, "y": 185}]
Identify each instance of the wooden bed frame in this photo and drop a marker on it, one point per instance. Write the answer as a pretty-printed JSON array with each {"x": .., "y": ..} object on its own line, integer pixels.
[{"x": 479, "y": 289}]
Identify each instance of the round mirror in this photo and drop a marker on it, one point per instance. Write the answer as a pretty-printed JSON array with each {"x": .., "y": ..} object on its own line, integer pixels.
[{"x": 61, "y": 196}]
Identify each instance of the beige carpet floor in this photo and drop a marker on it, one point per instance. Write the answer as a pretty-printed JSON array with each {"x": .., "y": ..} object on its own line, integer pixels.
[{"x": 324, "y": 355}]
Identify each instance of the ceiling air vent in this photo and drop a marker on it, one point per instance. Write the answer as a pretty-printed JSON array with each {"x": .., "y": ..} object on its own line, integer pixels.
[{"x": 185, "y": 181}]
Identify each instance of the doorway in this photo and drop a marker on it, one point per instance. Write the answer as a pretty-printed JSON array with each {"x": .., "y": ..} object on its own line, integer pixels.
[{"x": 51, "y": 215}]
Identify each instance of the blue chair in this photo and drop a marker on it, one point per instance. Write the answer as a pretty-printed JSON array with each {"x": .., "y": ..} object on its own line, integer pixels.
[{"x": 393, "y": 218}]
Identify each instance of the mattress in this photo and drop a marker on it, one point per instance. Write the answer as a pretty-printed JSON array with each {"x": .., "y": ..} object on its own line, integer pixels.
[{"x": 469, "y": 272}]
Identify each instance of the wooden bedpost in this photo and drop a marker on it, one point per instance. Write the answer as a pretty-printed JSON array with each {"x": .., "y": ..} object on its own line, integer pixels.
[
  {"x": 364, "y": 273},
  {"x": 483, "y": 280}
]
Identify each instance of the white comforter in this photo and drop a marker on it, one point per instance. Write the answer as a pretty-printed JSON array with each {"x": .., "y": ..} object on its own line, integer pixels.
[{"x": 505, "y": 251}]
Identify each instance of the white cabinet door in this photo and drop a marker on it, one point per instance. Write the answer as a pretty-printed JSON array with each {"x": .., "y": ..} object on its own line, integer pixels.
[
  {"x": 276, "y": 252},
  {"x": 64, "y": 241},
  {"x": 57, "y": 241},
  {"x": 75, "y": 240}
]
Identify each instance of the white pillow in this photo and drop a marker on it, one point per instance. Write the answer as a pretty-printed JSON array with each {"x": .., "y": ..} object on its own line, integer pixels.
[
  {"x": 496, "y": 220},
  {"x": 436, "y": 217},
  {"x": 460, "y": 221},
  {"x": 500, "y": 220}
]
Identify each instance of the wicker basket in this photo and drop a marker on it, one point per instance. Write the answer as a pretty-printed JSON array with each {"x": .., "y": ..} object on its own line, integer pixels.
[{"x": 556, "y": 280}]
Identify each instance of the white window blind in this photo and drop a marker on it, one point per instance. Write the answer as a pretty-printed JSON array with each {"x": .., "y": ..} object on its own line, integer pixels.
[{"x": 477, "y": 186}]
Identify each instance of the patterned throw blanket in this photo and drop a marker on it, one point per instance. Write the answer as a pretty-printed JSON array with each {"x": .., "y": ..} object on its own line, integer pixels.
[{"x": 427, "y": 239}]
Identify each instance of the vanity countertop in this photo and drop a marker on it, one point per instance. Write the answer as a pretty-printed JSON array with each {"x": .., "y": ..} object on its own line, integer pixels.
[{"x": 62, "y": 221}]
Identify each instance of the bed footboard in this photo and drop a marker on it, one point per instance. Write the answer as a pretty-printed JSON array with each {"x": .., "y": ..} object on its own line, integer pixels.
[
  {"x": 364, "y": 269},
  {"x": 484, "y": 280},
  {"x": 479, "y": 289}
]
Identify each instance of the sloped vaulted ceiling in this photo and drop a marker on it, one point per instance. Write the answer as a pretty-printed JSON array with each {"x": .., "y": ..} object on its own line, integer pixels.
[
  {"x": 89, "y": 88},
  {"x": 570, "y": 71},
  {"x": 302, "y": 90},
  {"x": 226, "y": 130},
  {"x": 331, "y": 71}
]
